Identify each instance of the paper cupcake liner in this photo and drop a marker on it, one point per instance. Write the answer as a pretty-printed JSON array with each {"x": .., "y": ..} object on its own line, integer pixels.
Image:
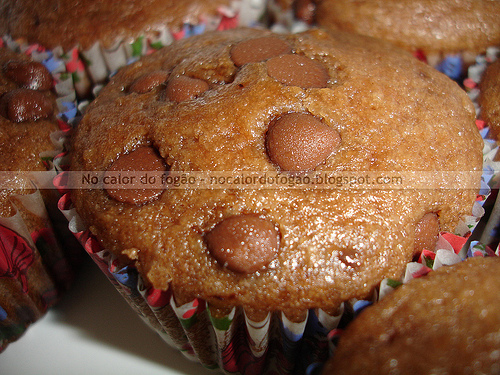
[
  {"x": 79, "y": 71},
  {"x": 37, "y": 262},
  {"x": 233, "y": 343},
  {"x": 38, "y": 254},
  {"x": 490, "y": 233}
]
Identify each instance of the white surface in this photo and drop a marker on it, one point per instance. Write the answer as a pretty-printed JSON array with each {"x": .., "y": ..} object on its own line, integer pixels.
[{"x": 93, "y": 331}]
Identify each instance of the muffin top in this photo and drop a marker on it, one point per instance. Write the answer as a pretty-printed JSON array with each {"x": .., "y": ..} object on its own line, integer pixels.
[
  {"x": 27, "y": 117},
  {"x": 489, "y": 98},
  {"x": 444, "y": 323},
  {"x": 432, "y": 26},
  {"x": 226, "y": 104},
  {"x": 54, "y": 23}
]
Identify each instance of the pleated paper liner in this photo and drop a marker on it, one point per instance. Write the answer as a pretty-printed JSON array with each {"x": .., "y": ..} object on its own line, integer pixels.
[
  {"x": 38, "y": 261},
  {"x": 231, "y": 340},
  {"x": 489, "y": 235}
]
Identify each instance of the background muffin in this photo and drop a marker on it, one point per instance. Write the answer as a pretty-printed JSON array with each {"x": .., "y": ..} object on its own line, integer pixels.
[
  {"x": 448, "y": 34},
  {"x": 444, "y": 322},
  {"x": 231, "y": 103},
  {"x": 108, "y": 34},
  {"x": 36, "y": 265}
]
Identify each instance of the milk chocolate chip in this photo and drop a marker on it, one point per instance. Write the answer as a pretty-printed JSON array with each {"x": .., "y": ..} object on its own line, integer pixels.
[
  {"x": 300, "y": 142},
  {"x": 122, "y": 187},
  {"x": 28, "y": 74},
  {"x": 25, "y": 105},
  {"x": 149, "y": 81},
  {"x": 259, "y": 49},
  {"x": 297, "y": 70},
  {"x": 184, "y": 88},
  {"x": 426, "y": 233},
  {"x": 243, "y": 243}
]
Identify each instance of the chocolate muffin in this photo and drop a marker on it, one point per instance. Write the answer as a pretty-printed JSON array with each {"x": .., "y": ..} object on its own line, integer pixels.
[
  {"x": 35, "y": 268},
  {"x": 489, "y": 98},
  {"x": 433, "y": 29},
  {"x": 445, "y": 322},
  {"x": 280, "y": 105}
]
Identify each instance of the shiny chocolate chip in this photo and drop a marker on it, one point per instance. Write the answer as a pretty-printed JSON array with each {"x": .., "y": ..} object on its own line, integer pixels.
[
  {"x": 28, "y": 74},
  {"x": 22, "y": 105},
  {"x": 426, "y": 233},
  {"x": 144, "y": 167},
  {"x": 184, "y": 88},
  {"x": 300, "y": 141},
  {"x": 244, "y": 243},
  {"x": 149, "y": 81},
  {"x": 259, "y": 49},
  {"x": 298, "y": 70}
]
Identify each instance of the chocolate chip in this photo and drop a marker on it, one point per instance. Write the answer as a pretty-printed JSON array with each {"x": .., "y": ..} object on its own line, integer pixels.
[
  {"x": 149, "y": 81},
  {"x": 297, "y": 70},
  {"x": 28, "y": 74},
  {"x": 300, "y": 142},
  {"x": 22, "y": 105},
  {"x": 123, "y": 187},
  {"x": 426, "y": 233},
  {"x": 258, "y": 49},
  {"x": 243, "y": 243},
  {"x": 184, "y": 88}
]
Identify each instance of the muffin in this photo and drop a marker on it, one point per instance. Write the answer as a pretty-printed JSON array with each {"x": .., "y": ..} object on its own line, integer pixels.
[
  {"x": 445, "y": 322},
  {"x": 36, "y": 268},
  {"x": 259, "y": 176},
  {"x": 110, "y": 33},
  {"x": 446, "y": 33}
]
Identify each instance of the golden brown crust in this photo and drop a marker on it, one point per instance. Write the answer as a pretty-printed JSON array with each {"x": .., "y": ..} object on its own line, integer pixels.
[
  {"x": 489, "y": 99},
  {"x": 444, "y": 323},
  {"x": 433, "y": 26},
  {"x": 54, "y": 23},
  {"x": 392, "y": 112}
]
